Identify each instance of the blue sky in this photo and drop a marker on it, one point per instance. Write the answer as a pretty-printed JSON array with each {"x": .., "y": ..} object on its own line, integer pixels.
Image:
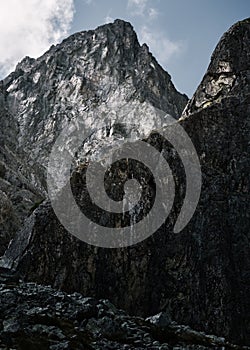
[{"x": 180, "y": 33}]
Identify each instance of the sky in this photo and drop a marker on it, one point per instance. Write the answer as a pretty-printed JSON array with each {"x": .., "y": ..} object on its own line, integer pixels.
[{"x": 181, "y": 34}]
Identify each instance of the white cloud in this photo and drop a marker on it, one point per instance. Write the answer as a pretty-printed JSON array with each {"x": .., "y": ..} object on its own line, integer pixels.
[
  {"x": 137, "y": 7},
  {"x": 29, "y": 27},
  {"x": 153, "y": 13},
  {"x": 109, "y": 19},
  {"x": 141, "y": 8},
  {"x": 162, "y": 47}
]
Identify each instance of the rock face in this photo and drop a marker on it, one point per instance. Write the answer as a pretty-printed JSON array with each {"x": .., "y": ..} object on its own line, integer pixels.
[
  {"x": 199, "y": 276},
  {"x": 228, "y": 72},
  {"x": 98, "y": 71},
  {"x": 19, "y": 182}
]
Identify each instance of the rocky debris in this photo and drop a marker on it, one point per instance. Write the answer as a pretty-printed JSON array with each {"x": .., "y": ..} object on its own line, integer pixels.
[{"x": 39, "y": 317}]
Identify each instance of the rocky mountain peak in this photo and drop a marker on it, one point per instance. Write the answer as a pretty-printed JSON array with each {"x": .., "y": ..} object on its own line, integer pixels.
[
  {"x": 104, "y": 69},
  {"x": 25, "y": 64},
  {"x": 228, "y": 73},
  {"x": 99, "y": 70},
  {"x": 105, "y": 72},
  {"x": 233, "y": 48}
]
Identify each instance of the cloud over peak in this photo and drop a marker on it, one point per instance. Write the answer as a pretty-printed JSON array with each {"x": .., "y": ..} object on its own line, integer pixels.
[
  {"x": 29, "y": 27},
  {"x": 141, "y": 8},
  {"x": 162, "y": 47}
]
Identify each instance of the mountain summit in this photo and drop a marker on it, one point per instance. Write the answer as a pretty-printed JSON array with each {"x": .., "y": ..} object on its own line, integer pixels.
[{"x": 103, "y": 70}]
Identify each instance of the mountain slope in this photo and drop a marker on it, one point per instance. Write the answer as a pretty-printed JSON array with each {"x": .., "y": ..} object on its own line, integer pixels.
[{"x": 102, "y": 71}]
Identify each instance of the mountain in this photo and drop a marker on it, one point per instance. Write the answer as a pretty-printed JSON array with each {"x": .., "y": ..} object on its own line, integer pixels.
[
  {"x": 199, "y": 276},
  {"x": 102, "y": 71}
]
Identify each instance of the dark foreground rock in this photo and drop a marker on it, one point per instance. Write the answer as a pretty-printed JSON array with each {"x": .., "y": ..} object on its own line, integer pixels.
[{"x": 39, "y": 317}]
